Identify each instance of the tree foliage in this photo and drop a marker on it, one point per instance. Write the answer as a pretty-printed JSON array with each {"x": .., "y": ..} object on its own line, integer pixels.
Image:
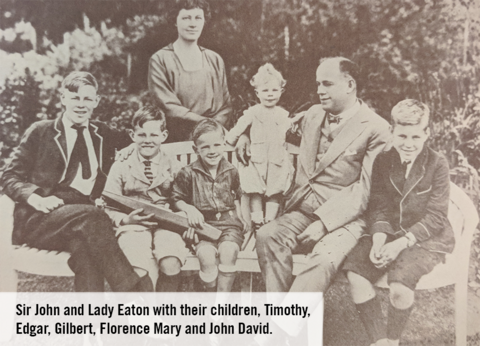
[{"x": 424, "y": 49}]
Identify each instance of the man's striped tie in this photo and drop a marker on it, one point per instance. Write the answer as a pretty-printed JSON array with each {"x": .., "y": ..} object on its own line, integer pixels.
[{"x": 148, "y": 170}]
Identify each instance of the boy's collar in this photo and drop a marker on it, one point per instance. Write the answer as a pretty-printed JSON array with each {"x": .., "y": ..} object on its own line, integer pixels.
[
  {"x": 154, "y": 160},
  {"x": 418, "y": 158},
  {"x": 67, "y": 123},
  {"x": 223, "y": 166}
]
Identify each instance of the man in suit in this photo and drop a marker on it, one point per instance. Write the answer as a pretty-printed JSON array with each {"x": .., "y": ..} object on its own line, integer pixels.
[
  {"x": 57, "y": 172},
  {"x": 341, "y": 138}
]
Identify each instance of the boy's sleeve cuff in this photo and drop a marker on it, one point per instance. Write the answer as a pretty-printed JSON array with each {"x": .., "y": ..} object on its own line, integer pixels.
[
  {"x": 420, "y": 232},
  {"x": 382, "y": 227}
]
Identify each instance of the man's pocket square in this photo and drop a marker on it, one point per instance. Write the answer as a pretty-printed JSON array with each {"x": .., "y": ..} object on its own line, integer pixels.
[{"x": 349, "y": 152}]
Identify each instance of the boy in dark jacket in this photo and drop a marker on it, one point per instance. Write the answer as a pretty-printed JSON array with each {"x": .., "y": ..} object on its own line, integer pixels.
[{"x": 409, "y": 233}]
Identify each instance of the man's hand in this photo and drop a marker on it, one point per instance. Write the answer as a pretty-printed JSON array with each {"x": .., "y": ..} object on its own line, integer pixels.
[
  {"x": 378, "y": 240},
  {"x": 44, "y": 204},
  {"x": 124, "y": 154},
  {"x": 134, "y": 218},
  {"x": 242, "y": 149},
  {"x": 312, "y": 234},
  {"x": 390, "y": 251}
]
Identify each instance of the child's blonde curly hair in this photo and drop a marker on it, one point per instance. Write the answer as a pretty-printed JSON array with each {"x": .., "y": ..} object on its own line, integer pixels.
[{"x": 266, "y": 73}]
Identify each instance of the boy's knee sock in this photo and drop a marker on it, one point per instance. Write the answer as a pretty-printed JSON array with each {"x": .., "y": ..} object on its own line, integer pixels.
[
  {"x": 371, "y": 315},
  {"x": 397, "y": 319},
  {"x": 167, "y": 283},
  {"x": 226, "y": 277},
  {"x": 209, "y": 280}
]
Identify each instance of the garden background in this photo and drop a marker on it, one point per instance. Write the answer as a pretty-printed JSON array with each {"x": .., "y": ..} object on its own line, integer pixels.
[{"x": 423, "y": 49}]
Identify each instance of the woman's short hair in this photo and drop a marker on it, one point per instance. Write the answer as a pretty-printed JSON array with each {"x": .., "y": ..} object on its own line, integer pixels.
[
  {"x": 76, "y": 79},
  {"x": 206, "y": 126},
  {"x": 178, "y": 5},
  {"x": 266, "y": 73},
  {"x": 149, "y": 113}
]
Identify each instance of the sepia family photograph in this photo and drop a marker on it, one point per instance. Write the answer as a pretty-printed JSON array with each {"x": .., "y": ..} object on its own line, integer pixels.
[{"x": 231, "y": 147}]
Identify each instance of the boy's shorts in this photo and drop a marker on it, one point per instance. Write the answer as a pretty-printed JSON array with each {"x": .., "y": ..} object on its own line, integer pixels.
[
  {"x": 232, "y": 230},
  {"x": 410, "y": 265},
  {"x": 141, "y": 244}
]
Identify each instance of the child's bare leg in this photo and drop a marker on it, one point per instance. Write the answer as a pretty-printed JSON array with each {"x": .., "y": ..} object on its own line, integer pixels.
[
  {"x": 207, "y": 256},
  {"x": 228, "y": 252},
  {"x": 256, "y": 208},
  {"x": 401, "y": 304},
  {"x": 368, "y": 307},
  {"x": 137, "y": 247},
  {"x": 271, "y": 208}
]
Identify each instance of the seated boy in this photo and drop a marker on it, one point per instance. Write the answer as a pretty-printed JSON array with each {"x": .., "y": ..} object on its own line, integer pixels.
[
  {"x": 147, "y": 175},
  {"x": 208, "y": 190},
  {"x": 409, "y": 233},
  {"x": 56, "y": 173}
]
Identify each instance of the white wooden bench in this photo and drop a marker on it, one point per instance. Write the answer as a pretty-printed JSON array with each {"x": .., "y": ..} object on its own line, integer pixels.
[{"x": 462, "y": 215}]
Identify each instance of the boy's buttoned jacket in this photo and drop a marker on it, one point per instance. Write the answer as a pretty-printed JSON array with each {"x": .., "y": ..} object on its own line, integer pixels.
[
  {"x": 417, "y": 204},
  {"x": 40, "y": 161},
  {"x": 128, "y": 178}
]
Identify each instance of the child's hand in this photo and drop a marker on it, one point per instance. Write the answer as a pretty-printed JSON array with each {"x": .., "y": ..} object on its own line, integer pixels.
[
  {"x": 194, "y": 216},
  {"x": 191, "y": 238},
  {"x": 378, "y": 241},
  {"x": 44, "y": 204},
  {"x": 135, "y": 219},
  {"x": 390, "y": 251}
]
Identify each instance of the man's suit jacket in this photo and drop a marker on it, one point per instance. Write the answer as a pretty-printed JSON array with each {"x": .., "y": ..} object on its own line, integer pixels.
[
  {"x": 341, "y": 181},
  {"x": 40, "y": 161}
]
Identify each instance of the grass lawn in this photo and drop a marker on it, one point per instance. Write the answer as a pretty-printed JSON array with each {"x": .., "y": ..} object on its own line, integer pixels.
[{"x": 431, "y": 323}]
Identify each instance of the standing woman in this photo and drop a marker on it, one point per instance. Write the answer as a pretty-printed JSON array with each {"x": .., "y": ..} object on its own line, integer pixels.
[{"x": 188, "y": 81}]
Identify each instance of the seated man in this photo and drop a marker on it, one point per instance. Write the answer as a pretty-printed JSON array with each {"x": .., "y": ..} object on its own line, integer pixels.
[
  {"x": 409, "y": 232},
  {"x": 341, "y": 138},
  {"x": 56, "y": 173}
]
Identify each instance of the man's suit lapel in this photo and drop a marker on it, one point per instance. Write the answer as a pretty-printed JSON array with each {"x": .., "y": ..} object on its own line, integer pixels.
[
  {"x": 352, "y": 129},
  {"x": 60, "y": 139},
  {"x": 309, "y": 150}
]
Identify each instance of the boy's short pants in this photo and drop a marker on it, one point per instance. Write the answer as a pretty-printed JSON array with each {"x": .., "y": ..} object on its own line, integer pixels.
[
  {"x": 410, "y": 265},
  {"x": 232, "y": 230},
  {"x": 142, "y": 245}
]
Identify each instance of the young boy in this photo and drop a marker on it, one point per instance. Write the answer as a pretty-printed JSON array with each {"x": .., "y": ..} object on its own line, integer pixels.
[
  {"x": 55, "y": 174},
  {"x": 208, "y": 190},
  {"x": 409, "y": 233},
  {"x": 147, "y": 175}
]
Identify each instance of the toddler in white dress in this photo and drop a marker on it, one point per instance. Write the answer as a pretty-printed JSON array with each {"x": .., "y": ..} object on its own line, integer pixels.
[{"x": 270, "y": 171}]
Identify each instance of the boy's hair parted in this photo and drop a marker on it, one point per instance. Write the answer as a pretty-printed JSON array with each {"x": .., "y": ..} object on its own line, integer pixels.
[
  {"x": 178, "y": 5},
  {"x": 149, "y": 113},
  {"x": 206, "y": 126},
  {"x": 76, "y": 79},
  {"x": 266, "y": 73},
  {"x": 410, "y": 112}
]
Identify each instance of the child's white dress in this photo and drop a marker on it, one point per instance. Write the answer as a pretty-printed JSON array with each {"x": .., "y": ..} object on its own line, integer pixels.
[{"x": 270, "y": 170}]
